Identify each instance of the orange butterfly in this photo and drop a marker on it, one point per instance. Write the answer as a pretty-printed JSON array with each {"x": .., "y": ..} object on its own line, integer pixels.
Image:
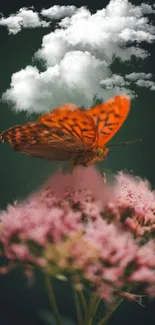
[{"x": 70, "y": 134}]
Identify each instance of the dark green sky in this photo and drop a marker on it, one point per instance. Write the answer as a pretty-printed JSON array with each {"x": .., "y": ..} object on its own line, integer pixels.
[{"x": 20, "y": 174}]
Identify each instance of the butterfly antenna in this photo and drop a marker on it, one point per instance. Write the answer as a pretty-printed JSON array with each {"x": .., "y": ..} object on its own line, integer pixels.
[{"x": 125, "y": 143}]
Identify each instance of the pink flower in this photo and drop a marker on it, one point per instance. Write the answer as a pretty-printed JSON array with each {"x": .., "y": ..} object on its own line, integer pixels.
[
  {"x": 80, "y": 180},
  {"x": 79, "y": 225},
  {"x": 143, "y": 274},
  {"x": 134, "y": 205},
  {"x": 54, "y": 212}
]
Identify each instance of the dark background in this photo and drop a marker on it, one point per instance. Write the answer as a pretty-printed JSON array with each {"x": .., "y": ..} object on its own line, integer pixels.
[{"x": 20, "y": 174}]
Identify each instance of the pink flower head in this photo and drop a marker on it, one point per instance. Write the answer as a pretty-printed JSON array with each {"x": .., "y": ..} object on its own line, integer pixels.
[
  {"x": 80, "y": 226},
  {"x": 135, "y": 204},
  {"x": 54, "y": 212},
  {"x": 82, "y": 179}
]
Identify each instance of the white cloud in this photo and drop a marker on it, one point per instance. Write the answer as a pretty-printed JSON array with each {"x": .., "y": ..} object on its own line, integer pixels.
[
  {"x": 75, "y": 79},
  {"x": 114, "y": 80},
  {"x": 25, "y": 18},
  {"x": 146, "y": 84},
  {"x": 57, "y": 12},
  {"x": 54, "y": 47},
  {"x": 103, "y": 34},
  {"x": 116, "y": 84},
  {"x": 143, "y": 9},
  {"x": 138, "y": 75},
  {"x": 141, "y": 79},
  {"x": 78, "y": 56},
  {"x": 146, "y": 8},
  {"x": 130, "y": 35}
]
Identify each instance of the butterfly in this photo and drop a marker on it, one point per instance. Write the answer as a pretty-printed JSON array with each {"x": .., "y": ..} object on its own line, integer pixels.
[{"x": 69, "y": 133}]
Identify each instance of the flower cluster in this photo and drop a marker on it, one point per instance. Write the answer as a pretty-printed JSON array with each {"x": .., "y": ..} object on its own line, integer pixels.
[
  {"x": 134, "y": 205},
  {"x": 85, "y": 229}
]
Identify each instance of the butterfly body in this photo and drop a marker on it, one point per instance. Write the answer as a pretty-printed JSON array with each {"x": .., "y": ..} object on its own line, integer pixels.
[
  {"x": 70, "y": 134},
  {"x": 88, "y": 157}
]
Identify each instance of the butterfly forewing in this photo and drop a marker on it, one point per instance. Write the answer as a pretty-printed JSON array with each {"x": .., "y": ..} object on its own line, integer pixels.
[
  {"x": 73, "y": 121},
  {"x": 45, "y": 142},
  {"x": 21, "y": 134},
  {"x": 109, "y": 116}
]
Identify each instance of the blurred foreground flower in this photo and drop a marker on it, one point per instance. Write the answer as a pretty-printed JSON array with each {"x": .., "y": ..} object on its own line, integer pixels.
[{"x": 93, "y": 234}]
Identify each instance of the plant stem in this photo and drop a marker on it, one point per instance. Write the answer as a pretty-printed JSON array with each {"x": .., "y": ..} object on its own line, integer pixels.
[
  {"x": 83, "y": 301},
  {"x": 52, "y": 299},
  {"x": 93, "y": 312},
  {"x": 104, "y": 320},
  {"x": 78, "y": 307},
  {"x": 93, "y": 305}
]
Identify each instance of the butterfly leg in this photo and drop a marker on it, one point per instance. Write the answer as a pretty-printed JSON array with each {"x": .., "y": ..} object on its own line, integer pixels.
[{"x": 90, "y": 162}]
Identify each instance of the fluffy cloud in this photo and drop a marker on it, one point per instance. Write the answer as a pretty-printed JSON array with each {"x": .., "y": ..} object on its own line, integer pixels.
[
  {"x": 129, "y": 35},
  {"x": 114, "y": 80},
  {"x": 78, "y": 57},
  {"x": 25, "y": 18},
  {"x": 138, "y": 75},
  {"x": 57, "y": 12},
  {"x": 118, "y": 82},
  {"x": 147, "y": 9},
  {"x": 146, "y": 83},
  {"x": 75, "y": 79},
  {"x": 141, "y": 79}
]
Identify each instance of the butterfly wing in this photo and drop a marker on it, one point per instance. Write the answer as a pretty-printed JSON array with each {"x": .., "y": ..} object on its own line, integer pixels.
[
  {"x": 44, "y": 142},
  {"x": 20, "y": 135},
  {"x": 72, "y": 121},
  {"x": 108, "y": 117},
  {"x": 63, "y": 134},
  {"x": 55, "y": 151}
]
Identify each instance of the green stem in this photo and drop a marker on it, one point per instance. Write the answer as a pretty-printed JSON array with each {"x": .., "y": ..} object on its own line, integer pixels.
[
  {"x": 52, "y": 299},
  {"x": 78, "y": 307},
  {"x": 93, "y": 305},
  {"x": 83, "y": 301},
  {"x": 104, "y": 320}
]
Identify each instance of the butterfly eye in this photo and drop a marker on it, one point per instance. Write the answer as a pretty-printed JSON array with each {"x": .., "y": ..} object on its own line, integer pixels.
[{"x": 100, "y": 152}]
